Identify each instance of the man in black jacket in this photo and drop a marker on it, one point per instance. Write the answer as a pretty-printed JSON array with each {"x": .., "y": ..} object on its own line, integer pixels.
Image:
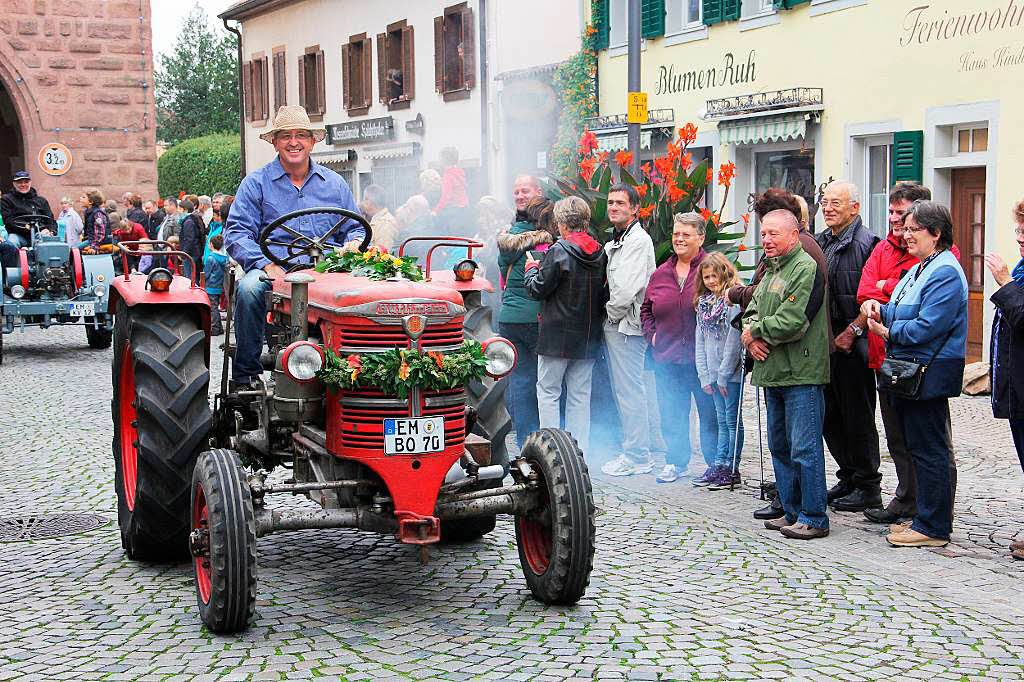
[
  {"x": 153, "y": 220},
  {"x": 849, "y": 426},
  {"x": 193, "y": 236},
  {"x": 24, "y": 200},
  {"x": 570, "y": 283}
]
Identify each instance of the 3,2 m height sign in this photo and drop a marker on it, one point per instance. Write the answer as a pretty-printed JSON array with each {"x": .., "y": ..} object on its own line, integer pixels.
[{"x": 55, "y": 159}]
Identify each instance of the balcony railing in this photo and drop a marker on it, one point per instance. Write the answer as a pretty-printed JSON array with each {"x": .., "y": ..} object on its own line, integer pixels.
[{"x": 765, "y": 102}]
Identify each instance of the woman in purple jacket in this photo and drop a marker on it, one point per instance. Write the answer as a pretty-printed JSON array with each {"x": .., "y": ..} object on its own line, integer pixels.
[{"x": 670, "y": 324}]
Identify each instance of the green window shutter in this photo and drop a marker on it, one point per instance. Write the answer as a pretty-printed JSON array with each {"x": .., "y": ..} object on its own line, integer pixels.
[
  {"x": 788, "y": 4},
  {"x": 712, "y": 12},
  {"x": 908, "y": 156},
  {"x": 731, "y": 9},
  {"x": 653, "y": 18},
  {"x": 599, "y": 17}
]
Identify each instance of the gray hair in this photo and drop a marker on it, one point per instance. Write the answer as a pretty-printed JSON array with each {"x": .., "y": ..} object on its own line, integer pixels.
[
  {"x": 376, "y": 194},
  {"x": 690, "y": 218},
  {"x": 430, "y": 179},
  {"x": 204, "y": 200},
  {"x": 218, "y": 195},
  {"x": 850, "y": 188},
  {"x": 573, "y": 213},
  {"x": 415, "y": 207}
]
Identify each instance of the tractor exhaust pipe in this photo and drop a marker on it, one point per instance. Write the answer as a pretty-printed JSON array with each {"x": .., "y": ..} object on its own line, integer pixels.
[{"x": 299, "y": 330}]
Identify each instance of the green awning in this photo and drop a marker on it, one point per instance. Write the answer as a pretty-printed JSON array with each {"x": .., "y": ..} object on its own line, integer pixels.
[{"x": 763, "y": 129}]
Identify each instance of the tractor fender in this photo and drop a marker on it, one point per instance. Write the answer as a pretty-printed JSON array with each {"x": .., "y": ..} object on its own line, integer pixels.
[
  {"x": 99, "y": 269},
  {"x": 132, "y": 290}
]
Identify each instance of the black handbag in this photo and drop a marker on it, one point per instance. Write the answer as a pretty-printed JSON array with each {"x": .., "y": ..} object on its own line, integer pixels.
[{"x": 903, "y": 378}]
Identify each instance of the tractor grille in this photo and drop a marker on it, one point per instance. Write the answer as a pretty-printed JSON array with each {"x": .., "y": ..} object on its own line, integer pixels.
[
  {"x": 363, "y": 414},
  {"x": 362, "y": 338}
]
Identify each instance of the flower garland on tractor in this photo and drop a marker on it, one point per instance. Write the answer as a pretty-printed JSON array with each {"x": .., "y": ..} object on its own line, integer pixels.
[
  {"x": 375, "y": 264},
  {"x": 397, "y": 371}
]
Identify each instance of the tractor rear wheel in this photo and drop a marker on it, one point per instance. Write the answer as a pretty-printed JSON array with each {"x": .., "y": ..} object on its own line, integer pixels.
[
  {"x": 97, "y": 337},
  {"x": 556, "y": 540},
  {"x": 487, "y": 395},
  {"x": 161, "y": 419},
  {"x": 223, "y": 542}
]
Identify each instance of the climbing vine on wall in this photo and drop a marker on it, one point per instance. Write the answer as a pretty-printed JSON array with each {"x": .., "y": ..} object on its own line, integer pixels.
[{"x": 575, "y": 82}]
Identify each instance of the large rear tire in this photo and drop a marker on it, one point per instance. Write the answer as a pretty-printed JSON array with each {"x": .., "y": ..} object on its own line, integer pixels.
[
  {"x": 487, "y": 395},
  {"x": 223, "y": 542},
  {"x": 556, "y": 540},
  {"x": 161, "y": 418}
]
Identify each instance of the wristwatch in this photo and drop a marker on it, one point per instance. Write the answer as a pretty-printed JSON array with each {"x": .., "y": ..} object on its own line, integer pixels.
[{"x": 857, "y": 331}]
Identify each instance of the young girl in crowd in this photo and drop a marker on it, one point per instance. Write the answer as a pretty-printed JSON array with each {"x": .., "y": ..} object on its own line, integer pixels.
[{"x": 719, "y": 358}]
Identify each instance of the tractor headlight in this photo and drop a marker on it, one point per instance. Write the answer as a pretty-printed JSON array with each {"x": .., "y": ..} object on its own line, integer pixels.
[
  {"x": 465, "y": 270},
  {"x": 100, "y": 290},
  {"x": 500, "y": 355},
  {"x": 18, "y": 291},
  {"x": 159, "y": 279},
  {"x": 302, "y": 360}
]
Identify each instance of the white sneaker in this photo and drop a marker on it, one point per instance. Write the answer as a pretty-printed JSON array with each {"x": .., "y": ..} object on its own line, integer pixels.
[
  {"x": 644, "y": 466},
  {"x": 670, "y": 474},
  {"x": 620, "y": 466}
]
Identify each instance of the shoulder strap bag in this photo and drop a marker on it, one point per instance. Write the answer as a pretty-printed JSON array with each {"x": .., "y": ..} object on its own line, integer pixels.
[{"x": 903, "y": 378}]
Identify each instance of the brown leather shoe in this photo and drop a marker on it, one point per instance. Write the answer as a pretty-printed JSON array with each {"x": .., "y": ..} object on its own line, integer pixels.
[
  {"x": 1017, "y": 554},
  {"x": 801, "y": 531},
  {"x": 776, "y": 524},
  {"x": 1016, "y": 544},
  {"x": 911, "y": 538},
  {"x": 900, "y": 527}
]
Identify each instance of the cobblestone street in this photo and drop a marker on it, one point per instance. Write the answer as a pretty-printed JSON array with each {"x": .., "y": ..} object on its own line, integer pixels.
[{"x": 686, "y": 585}]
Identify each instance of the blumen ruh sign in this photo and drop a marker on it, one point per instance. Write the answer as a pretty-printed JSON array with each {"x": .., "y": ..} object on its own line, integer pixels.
[{"x": 370, "y": 130}]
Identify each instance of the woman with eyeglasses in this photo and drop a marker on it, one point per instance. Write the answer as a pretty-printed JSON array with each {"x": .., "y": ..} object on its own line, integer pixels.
[{"x": 1007, "y": 346}]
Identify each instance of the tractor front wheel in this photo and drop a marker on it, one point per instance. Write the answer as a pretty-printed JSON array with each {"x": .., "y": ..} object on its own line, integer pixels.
[
  {"x": 161, "y": 420},
  {"x": 223, "y": 542},
  {"x": 556, "y": 539}
]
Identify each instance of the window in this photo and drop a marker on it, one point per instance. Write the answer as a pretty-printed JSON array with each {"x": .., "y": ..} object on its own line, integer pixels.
[
  {"x": 681, "y": 15},
  {"x": 791, "y": 169},
  {"x": 312, "y": 94},
  {"x": 395, "y": 76},
  {"x": 254, "y": 90},
  {"x": 753, "y": 8},
  {"x": 356, "y": 75},
  {"x": 454, "y": 53},
  {"x": 280, "y": 79},
  {"x": 971, "y": 140},
  {"x": 879, "y": 181},
  {"x": 618, "y": 22}
]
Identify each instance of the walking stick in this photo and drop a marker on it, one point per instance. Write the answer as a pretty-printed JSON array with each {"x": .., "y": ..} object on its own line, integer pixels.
[
  {"x": 736, "y": 440},
  {"x": 760, "y": 447}
]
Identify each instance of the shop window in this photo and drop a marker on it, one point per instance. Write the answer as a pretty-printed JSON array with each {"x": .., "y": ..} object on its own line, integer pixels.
[
  {"x": 791, "y": 170},
  {"x": 395, "y": 76},
  {"x": 356, "y": 67},
  {"x": 972, "y": 140},
  {"x": 280, "y": 79},
  {"x": 454, "y": 53},
  {"x": 879, "y": 181},
  {"x": 254, "y": 91},
  {"x": 683, "y": 15},
  {"x": 312, "y": 92}
]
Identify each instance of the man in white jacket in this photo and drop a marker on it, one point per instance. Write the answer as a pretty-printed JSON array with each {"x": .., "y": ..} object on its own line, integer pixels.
[{"x": 630, "y": 265}]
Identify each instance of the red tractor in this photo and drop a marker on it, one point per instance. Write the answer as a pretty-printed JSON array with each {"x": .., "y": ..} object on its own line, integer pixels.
[{"x": 427, "y": 467}]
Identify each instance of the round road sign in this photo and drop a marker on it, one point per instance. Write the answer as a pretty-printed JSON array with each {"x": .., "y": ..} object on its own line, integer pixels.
[{"x": 55, "y": 159}]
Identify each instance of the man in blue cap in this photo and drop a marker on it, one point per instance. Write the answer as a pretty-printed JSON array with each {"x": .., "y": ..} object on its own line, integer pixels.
[{"x": 23, "y": 201}]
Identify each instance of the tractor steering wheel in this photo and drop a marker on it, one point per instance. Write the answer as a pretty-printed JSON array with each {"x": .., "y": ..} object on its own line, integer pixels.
[
  {"x": 303, "y": 247},
  {"x": 33, "y": 219}
]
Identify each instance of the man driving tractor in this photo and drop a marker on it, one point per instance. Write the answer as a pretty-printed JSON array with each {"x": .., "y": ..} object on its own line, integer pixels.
[
  {"x": 23, "y": 201},
  {"x": 290, "y": 182}
]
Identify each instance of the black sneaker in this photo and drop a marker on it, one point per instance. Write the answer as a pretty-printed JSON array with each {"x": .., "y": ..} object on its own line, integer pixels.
[
  {"x": 774, "y": 510},
  {"x": 858, "y": 501},
  {"x": 841, "y": 489},
  {"x": 887, "y": 516}
]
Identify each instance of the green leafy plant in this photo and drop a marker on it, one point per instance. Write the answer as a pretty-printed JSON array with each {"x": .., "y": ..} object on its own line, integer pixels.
[
  {"x": 202, "y": 165},
  {"x": 397, "y": 371},
  {"x": 373, "y": 263},
  {"x": 574, "y": 82}
]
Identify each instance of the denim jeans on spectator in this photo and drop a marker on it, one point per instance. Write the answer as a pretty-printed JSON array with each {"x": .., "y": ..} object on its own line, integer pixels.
[
  {"x": 577, "y": 375},
  {"x": 215, "y": 324},
  {"x": 676, "y": 383},
  {"x": 924, "y": 427},
  {"x": 795, "y": 415},
  {"x": 729, "y": 420},
  {"x": 625, "y": 354},
  {"x": 16, "y": 239},
  {"x": 250, "y": 324},
  {"x": 522, "y": 382}
]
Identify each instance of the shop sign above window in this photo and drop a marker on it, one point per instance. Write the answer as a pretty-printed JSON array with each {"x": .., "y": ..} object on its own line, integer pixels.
[{"x": 370, "y": 130}]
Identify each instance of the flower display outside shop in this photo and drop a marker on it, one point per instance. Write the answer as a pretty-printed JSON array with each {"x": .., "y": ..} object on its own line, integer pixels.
[
  {"x": 669, "y": 185},
  {"x": 397, "y": 371},
  {"x": 374, "y": 263}
]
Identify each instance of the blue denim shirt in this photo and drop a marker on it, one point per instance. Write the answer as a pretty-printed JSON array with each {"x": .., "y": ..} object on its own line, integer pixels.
[{"x": 268, "y": 193}]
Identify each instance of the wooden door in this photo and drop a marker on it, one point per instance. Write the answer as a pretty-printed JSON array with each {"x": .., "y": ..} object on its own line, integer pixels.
[{"x": 969, "y": 236}]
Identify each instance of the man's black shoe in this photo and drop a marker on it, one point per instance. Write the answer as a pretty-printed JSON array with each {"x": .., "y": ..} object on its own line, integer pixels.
[
  {"x": 772, "y": 511},
  {"x": 887, "y": 516},
  {"x": 858, "y": 500},
  {"x": 841, "y": 489}
]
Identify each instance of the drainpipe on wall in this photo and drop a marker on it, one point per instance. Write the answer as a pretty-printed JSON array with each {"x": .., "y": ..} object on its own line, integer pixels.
[
  {"x": 484, "y": 91},
  {"x": 241, "y": 100}
]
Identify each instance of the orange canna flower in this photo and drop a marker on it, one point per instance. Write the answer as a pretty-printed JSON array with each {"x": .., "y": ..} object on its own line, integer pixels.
[
  {"x": 403, "y": 371},
  {"x": 645, "y": 211},
  {"x": 742, "y": 247},
  {"x": 354, "y": 361},
  {"x": 711, "y": 176},
  {"x": 587, "y": 167},
  {"x": 705, "y": 213},
  {"x": 602, "y": 157},
  {"x": 664, "y": 167},
  {"x": 688, "y": 134},
  {"x": 726, "y": 172},
  {"x": 641, "y": 190},
  {"x": 673, "y": 151},
  {"x": 675, "y": 193},
  {"x": 623, "y": 158},
  {"x": 437, "y": 358},
  {"x": 588, "y": 142},
  {"x": 746, "y": 219}
]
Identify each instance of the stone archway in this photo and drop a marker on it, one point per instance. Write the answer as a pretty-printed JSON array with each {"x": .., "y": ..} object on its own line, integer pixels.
[{"x": 12, "y": 139}]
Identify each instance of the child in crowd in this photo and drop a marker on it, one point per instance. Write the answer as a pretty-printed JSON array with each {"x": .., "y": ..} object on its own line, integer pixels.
[
  {"x": 174, "y": 262},
  {"x": 452, "y": 207},
  {"x": 146, "y": 261},
  {"x": 214, "y": 267},
  {"x": 719, "y": 358}
]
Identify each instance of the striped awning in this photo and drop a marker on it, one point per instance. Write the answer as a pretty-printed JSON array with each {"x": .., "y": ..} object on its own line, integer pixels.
[
  {"x": 620, "y": 141},
  {"x": 391, "y": 151},
  {"x": 764, "y": 129}
]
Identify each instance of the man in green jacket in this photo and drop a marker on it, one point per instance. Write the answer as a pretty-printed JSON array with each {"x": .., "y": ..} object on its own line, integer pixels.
[{"x": 785, "y": 331}]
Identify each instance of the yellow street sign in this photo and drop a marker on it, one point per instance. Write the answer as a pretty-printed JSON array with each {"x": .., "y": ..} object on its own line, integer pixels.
[{"x": 637, "y": 108}]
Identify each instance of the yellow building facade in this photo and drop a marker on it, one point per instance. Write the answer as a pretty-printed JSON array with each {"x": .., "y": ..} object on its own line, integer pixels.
[{"x": 796, "y": 92}]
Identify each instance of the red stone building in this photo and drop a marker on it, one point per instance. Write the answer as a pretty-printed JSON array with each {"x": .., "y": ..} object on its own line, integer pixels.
[{"x": 78, "y": 73}]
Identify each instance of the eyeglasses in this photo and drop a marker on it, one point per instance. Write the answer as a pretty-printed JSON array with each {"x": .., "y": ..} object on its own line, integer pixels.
[
  {"x": 1019, "y": 232},
  {"x": 287, "y": 137},
  {"x": 915, "y": 228}
]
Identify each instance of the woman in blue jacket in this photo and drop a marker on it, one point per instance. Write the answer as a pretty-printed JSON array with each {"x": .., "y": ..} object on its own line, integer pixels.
[{"x": 926, "y": 322}]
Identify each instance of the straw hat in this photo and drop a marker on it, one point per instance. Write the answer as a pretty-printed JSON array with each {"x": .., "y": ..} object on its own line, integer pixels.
[{"x": 293, "y": 117}]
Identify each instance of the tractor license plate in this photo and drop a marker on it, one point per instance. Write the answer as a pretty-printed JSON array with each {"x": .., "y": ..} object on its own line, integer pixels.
[
  {"x": 79, "y": 309},
  {"x": 413, "y": 436}
]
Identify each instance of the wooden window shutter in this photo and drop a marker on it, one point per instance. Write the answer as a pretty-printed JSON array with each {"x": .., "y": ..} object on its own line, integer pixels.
[
  {"x": 367, "y": 72},
  {"x": 468, "y": 49},
  {"x": 265, "y": 89},
  {"x": 346, "y": 65},
  {"x": 382, "y": 67},
  {"x": 408, "y": 64},
  {"x": 908, "y": 156},
  {"x": 247, "y": 90},
  {"x": 599, "y": 18},
  {"x": 652, "y": 13},
  {"x": 280, "y": 97},
  {"x": 321, "y": 88},
  {"x": 712, "y": 12},
  {"x": 302, "y": 83},
  {"x": 731, "y": 9},
  {"x": 439, "y": 54}
]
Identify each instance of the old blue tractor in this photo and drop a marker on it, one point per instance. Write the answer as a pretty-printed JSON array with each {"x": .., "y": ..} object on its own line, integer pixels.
[{"x": 54, "y": 283}]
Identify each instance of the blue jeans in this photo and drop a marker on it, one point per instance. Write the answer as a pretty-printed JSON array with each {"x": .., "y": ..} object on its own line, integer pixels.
[
  {"x": 795, "y": 416},
  {"x": 522, "y": 382},
  {"x": 676, "y": 383},
  {"x": 16, "y": 239},
  {"x": 924, "y": 425},
  {"x": 729, "y": 420},
  {"x": 250, "y": 326}
]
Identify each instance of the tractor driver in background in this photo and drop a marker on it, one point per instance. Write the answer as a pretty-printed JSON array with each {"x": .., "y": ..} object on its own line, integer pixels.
[
  {"x": 23, "y": 201},
  {"x": 288, "y": 183}
]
